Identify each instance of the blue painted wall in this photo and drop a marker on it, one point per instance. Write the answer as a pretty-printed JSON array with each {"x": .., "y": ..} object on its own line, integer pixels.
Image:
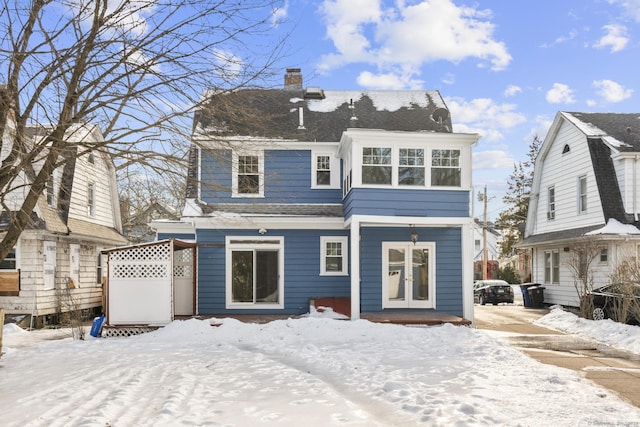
[
  {"x": 448, "y": 266},
  {"x": 407, "y": 202},
  {"x": 302, "y": 271},
  {"x": 287, "y": 179},
  {"x": 179, "y": 236}
]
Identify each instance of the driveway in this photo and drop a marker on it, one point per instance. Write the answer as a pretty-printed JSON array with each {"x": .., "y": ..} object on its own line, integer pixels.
[{"x": 614, "y": 369}]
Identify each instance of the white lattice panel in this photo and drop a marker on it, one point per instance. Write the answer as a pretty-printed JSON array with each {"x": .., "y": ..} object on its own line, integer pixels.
[
  {"x": 183, "y": 263},
  {"x": 139, "y": 271},
  {"x": 152, "y": 253}
]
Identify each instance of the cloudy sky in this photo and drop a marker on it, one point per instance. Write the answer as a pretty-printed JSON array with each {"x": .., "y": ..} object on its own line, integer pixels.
[{"x": 505, "y": 68}]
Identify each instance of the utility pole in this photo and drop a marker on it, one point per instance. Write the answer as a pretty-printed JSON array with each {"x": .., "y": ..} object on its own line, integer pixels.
[{"x": 484, "y": 237}]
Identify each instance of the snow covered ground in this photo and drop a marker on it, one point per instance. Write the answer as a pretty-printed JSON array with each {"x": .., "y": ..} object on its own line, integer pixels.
[{"x": 315, "y": 371}]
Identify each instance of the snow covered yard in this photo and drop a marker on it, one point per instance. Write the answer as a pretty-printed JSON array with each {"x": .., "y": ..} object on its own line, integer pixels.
[{"x": 315, "y": 371}]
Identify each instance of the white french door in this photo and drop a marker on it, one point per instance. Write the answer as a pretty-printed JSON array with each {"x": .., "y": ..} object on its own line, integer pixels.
[{"x": 408, "y": 275}]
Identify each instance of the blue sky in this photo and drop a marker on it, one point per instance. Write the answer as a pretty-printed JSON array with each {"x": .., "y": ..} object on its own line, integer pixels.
[{"x": 504, "y": 68}]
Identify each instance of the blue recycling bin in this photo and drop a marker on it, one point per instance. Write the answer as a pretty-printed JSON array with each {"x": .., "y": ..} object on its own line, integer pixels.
[
  {"x": 96, "y": 327},
  {"x": 526, "y": 298}
]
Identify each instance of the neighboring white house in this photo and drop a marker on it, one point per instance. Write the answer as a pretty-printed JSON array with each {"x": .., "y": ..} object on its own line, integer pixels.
[
  {"x": 586, "y": 188},
  {"x": 57, "y": 265},
  {"x": 493, "y": 237}
]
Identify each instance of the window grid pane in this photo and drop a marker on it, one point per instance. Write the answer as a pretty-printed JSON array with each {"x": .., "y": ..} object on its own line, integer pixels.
[
  {"x": 445, "y": 168},
  {"x": 248, "y": 175}
]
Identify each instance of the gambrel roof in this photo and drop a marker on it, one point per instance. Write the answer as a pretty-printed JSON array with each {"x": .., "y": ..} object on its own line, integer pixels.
[{"x": 607, "y": 135}]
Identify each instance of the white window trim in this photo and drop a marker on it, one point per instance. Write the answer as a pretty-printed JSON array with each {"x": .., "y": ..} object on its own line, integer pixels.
[
  {"x": 343, "y": 240},
  {"x": 395, "y": 165},
  {"x": 234, "y": 175},
  {"x": 551, "y": 267},
  {"x": 253, "y": 242},
  {"x": 91, "y": 198},
  {"x": 334, "y": 164},
  {"x": 551, "y": 209},
  {"x": 17, "y": 254},
  {"x": 582, "y": 208}
]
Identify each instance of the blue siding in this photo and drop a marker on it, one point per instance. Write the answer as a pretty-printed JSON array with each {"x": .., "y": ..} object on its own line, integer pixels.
[
  {"x": 448, "y": 266},
  {"x": 179, "y": 236},
  {"x": 287, "y": 175},
  {"x": 407, "y": 202},
  {"x": 302, "y": 279}
]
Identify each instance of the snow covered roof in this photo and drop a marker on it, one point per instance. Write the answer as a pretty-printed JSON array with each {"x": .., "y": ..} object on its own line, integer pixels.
[
  {"x": 614, "y": 226},
  {"x": 619, "y": 130},
  {"x": 290, "y": 115}
]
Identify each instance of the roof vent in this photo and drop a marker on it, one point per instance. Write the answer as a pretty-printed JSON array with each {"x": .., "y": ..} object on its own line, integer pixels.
[{"x": 313, "y": 93}]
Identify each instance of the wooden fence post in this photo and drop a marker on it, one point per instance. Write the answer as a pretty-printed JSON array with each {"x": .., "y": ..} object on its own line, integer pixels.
[{"x": 1, "y": 328}]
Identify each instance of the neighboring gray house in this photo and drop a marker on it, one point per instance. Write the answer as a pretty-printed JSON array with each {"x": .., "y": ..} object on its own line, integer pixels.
[
  {"x": 586, "y": 187},
  {"x": 296, "y": 194}
]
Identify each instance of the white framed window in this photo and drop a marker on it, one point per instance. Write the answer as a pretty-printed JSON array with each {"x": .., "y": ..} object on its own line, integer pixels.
[
  {"x": 411, "y": 170},
  {"x": 333, "y": 255},
  {"x": 91, "y": 198},
  {"x": 254, "y": 272},
  {"x": 248, "y": 174},
  {"x": 325, "y": 168},
  {"x": 604, "y": 256},
  {"x": 582, "y": 194},
  {"x": 10, "y": 262},
  {"x": 552, "y": 266},
  {"x": 377, "y": 165},
  {"x": 100, "y": 270},
  {"x": 551, "y": 203},
  {"x": 445, "y": 168}
]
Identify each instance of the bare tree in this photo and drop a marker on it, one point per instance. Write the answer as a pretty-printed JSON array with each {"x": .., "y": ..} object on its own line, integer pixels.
[
  {"x": 626, "y": 277},
  {"x": 582, "y": 254},
  {"x": 136, "y": 68}
]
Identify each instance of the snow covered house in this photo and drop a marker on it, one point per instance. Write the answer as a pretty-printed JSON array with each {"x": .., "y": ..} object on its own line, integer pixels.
[
  {"x": 301, "y": 194},
  {"x": 57, "y": 265},
  {"x": 585, "y": 191}
]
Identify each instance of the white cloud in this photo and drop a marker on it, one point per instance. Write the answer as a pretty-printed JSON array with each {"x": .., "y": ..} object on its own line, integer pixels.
[
  {"x": 227, "y": 64},
  {"x": 492, "y": 159},
  {"x": 401, "y": 38},
  {"x": 448, "y": 79},
  {"x": 611, "y": 91},
  {"x": 631, "y": 8},
  {"x": 615, "y": 38},
  {"x": 279, "y": 14},
  {"x": 512, "y": 90},
  {"x": 387, "y": 81},
  {"x": 483, "y": 116},
  {"x": 560, "y": 94}
]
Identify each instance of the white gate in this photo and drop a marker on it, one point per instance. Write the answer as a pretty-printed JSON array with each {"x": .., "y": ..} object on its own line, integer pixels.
[{"x": 183, "y": 283}]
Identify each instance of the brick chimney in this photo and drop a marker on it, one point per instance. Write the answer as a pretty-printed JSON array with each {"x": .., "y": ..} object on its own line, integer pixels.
[{"x": 293, "y": 79}]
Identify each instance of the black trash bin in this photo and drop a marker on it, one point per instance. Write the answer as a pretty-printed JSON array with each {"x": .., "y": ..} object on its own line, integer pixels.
[
  {"x": 526, "y": 299},
  {"x": 536, "y": 295}
]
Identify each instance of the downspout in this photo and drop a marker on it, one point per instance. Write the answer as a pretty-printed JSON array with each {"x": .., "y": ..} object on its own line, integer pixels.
[
  {"x": 635, "y": 185},
  {"x": 355, "y": 268}
]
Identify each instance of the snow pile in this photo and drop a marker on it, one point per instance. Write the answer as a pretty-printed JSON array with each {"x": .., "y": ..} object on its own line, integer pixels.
[
  {"x": 313, "y": 371},
  {"x": 619, "y": 335}
]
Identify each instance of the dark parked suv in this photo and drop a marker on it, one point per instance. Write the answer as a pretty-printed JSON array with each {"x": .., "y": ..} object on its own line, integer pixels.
[{"x": 492, "y": 291}]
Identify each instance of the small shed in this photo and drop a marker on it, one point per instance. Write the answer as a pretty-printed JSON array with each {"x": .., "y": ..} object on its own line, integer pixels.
[{"x": 150, "y": 283}]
